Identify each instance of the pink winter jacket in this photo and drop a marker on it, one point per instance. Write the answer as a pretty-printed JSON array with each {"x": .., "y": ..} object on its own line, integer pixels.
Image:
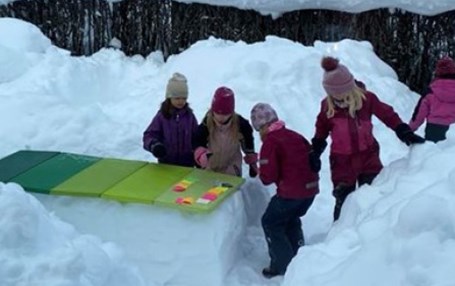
[
  {"x": 438, "y": 106},
  {"x": 352, "y": 135}
]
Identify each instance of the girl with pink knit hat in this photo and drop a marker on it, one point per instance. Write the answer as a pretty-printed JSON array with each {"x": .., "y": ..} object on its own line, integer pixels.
[
  {"x": 345, "y": 116},
  {"x": 437, "y": 107},
  {"x": 221, "y": 137}
]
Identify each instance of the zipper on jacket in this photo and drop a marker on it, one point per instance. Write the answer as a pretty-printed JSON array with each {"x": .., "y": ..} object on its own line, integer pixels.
[
  {"x": 354, "y": 132},
  {"x": 177, "y": 120}
]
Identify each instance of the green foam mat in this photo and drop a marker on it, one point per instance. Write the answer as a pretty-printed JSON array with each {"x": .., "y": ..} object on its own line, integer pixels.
[
  {"x": 52, "y": 172},
  {"x": 197, "y": 185},
  {"x": 147, "y": 183},
  {"x": 171, "y": 186},
  {"x": 97, "y": 178},
  {"x": 21, "y": 161}
]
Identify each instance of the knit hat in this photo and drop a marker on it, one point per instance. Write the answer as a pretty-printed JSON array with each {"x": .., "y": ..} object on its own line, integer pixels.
[
  {"x": 445, "y": 66},
  {"x": 223, "y": 101},
  {"x": 176, "y": 86},
  {"x": 337, "y": 78},
  {"x": 262, "y": 114}
]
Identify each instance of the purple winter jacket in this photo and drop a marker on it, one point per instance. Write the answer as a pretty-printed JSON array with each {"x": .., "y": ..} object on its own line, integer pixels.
[
  {"x": 438, "y": 107},
  {"x": 175, "y": 134}
]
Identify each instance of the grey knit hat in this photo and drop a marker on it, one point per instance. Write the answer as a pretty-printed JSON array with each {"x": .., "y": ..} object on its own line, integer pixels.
[
  {"x": 262, "y": 114},
  {"x": 177, "y": 86}
]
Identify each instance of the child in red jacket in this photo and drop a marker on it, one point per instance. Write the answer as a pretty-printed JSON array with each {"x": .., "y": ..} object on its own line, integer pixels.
[
  {"x": 437, "y": 107},
  {"x": 284, "y": 160},
  {"x": 345, "y": 115}
]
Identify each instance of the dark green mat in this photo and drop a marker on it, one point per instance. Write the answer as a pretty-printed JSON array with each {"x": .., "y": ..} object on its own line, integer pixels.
[
  {"x": 45, "y": 176},
  {"x": 21, "y": 161}
]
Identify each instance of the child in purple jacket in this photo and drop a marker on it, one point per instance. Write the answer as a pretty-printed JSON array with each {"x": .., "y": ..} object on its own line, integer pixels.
[
  {"x": 438, "y": 106},
  {"x": 169, "y": 135}
]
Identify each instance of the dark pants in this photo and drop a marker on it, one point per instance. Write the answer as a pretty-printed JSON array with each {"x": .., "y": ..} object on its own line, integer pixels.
[
  {"x": 435, "y": 132},
  {"x": 342, "y": 191},
  {"x": 283, "y": 230}
]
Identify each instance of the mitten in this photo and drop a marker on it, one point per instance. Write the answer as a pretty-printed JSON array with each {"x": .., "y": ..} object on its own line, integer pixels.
[
  {"x": 201, "y": 157},
  {"x": 253, "y": 172},
  {"x": 318, "y": 145},
  {"x": 315, "y": 161},
  {"x": 342, "y": 191},
  {"x": 405, "y": 134},
  {"x": 250, "y": 158},
  {"x": 158, "y": 150}
]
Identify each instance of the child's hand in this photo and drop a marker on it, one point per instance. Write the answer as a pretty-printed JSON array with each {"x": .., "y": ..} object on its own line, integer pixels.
[
  {"x": 315, "y": 162},
  {"x": 414, "y": 139},
  {"x": 406, "y": 135},
  {"x": 253, "y": 172},
  {"x": 201, "y": 157},
  {"x": 158, "y": 150},
  {"x": 250, "y": 158}
]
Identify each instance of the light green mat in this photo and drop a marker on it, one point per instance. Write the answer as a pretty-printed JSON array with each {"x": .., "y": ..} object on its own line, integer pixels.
[
  {"x": 200, "y": 182},
  {"x": 97, "y": 178},
  {"x": 147, "y": 183}
]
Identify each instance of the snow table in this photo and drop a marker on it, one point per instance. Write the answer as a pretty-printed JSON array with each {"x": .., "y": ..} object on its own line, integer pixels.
[{"x": 58, "y": 173}]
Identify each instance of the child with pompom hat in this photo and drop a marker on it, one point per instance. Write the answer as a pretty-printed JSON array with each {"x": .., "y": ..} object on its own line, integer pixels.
[
  {"x": 284, "y": 161},
  {"x": 222, "y": 136},
  {"x": 345, "y": 116},
  {"x": 437, "y": 107}
]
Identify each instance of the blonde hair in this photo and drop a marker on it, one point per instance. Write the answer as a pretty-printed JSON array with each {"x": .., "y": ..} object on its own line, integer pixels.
[
  {"x": 353, "y": 99},
  {"x": 234, "y": 127}
]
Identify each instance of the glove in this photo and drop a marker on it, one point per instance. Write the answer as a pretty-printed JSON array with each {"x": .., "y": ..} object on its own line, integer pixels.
[
  {"x": 342, "y": 191},
  {"x": 405, "y": 134},
  {"x": 318, "y": 145},
  {"x": 158, "y": 150},
  {"x": 315, "y": 161},
  {"x": 253, "y": 172},
  {"x": 201, "y": 157},
  {"x": 250, "y": 158}
]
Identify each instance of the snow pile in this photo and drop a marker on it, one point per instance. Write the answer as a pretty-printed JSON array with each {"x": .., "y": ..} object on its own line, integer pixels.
[{"x": 40, "y": 249}]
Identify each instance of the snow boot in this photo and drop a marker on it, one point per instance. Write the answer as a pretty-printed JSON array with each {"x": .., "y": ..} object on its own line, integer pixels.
[{"x": 270, "y": 273}]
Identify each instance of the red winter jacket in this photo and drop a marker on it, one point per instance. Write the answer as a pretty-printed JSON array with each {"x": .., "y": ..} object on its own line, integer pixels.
[
  {"x": 352, "y": 135},
  {"x": 284, "y": 161}
]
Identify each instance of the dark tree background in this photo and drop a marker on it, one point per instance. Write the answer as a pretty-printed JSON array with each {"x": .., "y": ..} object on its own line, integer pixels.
[{"x": 408, "y": 42}]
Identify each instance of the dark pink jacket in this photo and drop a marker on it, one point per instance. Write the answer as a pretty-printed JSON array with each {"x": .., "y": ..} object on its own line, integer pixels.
[
  {"x": 284, "y": 161},
  {"x": 438, "y": 106},
  {"x": 352, "y": 135}
]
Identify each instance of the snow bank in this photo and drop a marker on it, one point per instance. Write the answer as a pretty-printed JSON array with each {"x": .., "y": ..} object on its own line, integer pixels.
[
  {"x": 39, "y": 249},
  {"x": 171, "y": 247}
]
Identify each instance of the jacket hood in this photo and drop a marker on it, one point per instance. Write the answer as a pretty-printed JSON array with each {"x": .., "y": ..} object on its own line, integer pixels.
[{"x": 444, "y": 90}]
